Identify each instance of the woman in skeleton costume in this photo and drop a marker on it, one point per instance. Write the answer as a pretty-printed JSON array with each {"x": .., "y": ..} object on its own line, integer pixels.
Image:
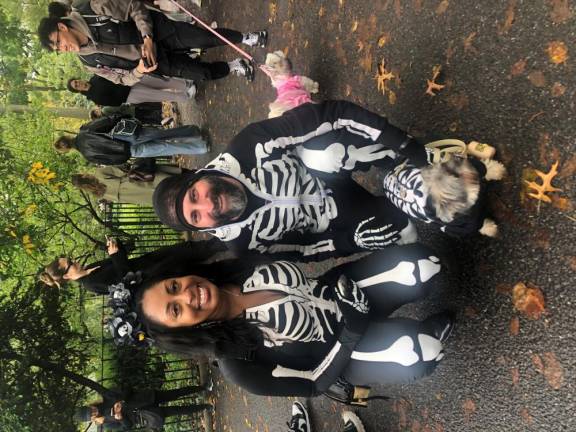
[{"x": 276, "y": 331}]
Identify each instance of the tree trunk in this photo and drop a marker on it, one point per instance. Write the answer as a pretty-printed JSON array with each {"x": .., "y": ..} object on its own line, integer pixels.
[{"x": 79, "y": 113}]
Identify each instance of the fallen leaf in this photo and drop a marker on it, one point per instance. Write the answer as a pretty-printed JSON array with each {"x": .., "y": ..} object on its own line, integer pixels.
[
  {"x": 528, "y": 300},
  {"x": 514, "y": 326},
  {"x": 537, "y": 78},
  {"x": 272, "y": 12},
  {"x": 354, "y": 26},
  {"x": 537, "y": 362},
  {"x": 401, "y": 407},
  {"x": 558, "y": 89},
  {"x": 503, "y": 288},
  {"x": 563, "y": 204},
  {"x": 382, "y": 76},
  {"x": 553, "y": 371},
  {"x": 542, "y": 239},
  {"x": 518, "y": 67},
  {"x": 560, "y": 11},
  {"x": 572, "y": 262},
  {"x": 468, "y": 43},
  {"x": 450, "y": 52},
  {"x": 557, "y": 52},
  {"x": 360, "y": 46},
  {"x": 442, "y": 7},
  {"x": 391, "y": 97},
  {"x": 509, "y": 17},
  {"x": 469, "y": 408},
  {"x": 515, "y": 376},
  {"x": 348, "y": 91},
  {"x": 382, "y": 40},
  {"x": 526, "y": 417},
  {"x": 418, "y": 6},
  {"x": 432, "y": 85},
  {"x": 416, "y": 427},
  {"x": 568, "y": 168},
  {"x": 540, "y": 190},
  {"x": 321, "y": 11}
]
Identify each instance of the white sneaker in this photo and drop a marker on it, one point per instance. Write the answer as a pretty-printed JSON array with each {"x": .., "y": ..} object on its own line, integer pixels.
[
  {"x": 191, "y": 90},
  {"x": 352, "y": 422},
  {"x": 299, "y": 421}
]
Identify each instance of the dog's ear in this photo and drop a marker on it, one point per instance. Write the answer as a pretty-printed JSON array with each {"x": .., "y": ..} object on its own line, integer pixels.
[
  {"x": 494, "y": 170},
  {"x": 280, "y": 54}
]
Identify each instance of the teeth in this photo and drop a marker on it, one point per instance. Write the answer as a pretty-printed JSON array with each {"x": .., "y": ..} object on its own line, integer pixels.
[{"x": 202, "y": 296}]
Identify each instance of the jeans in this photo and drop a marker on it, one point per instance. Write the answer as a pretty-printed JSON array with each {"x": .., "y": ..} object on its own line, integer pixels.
[{"x": 151, "y": 142}]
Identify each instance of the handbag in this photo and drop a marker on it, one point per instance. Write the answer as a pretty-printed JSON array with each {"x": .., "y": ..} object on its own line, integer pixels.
[
  {"x": 344, "y": 392},
  {"x": 126, "y": 128}
]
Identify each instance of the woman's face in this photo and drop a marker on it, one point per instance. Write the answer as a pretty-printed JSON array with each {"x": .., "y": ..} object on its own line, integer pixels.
[{"x": 182, "y": 302}]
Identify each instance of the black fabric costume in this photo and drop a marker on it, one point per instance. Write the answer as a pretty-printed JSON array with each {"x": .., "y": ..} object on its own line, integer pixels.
[
  {"x": 311, "y": 337},
  {"x": 300, "y": 166},
  {"x": 143, "y": 406},
  {"x": 106, "y": 93},
  {"x": 113, "y": 269},
  {"x": 406, "y": 190}
]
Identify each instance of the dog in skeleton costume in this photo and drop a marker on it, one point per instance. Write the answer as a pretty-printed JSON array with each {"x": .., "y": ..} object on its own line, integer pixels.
[{"x": 450, "y": 194}]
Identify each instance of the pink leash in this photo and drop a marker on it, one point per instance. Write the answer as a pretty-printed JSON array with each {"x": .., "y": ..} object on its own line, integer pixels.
[{"x": 227, "y": 41}]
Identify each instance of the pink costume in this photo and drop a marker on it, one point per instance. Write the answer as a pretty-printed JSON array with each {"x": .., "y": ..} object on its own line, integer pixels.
[{"x": 291, "y": 92}]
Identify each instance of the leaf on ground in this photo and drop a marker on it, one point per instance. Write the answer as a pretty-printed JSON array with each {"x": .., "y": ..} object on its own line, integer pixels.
[
  {"x": 563, "y": 204},
  {"x": 321, "y": 11},
  {"x": 515, "y": 375},
  {"x": 442, "y": 7},
  {"x": 469, "y": 407},
  {"x": 348, "y": 90},
  {"x": 560, "y": 11},
  {"x": 272, "y": 12},
  {"x": 518, "y": 67},
  {"x": 432, "y": 85},
  {"x": 526, "y": 417},
  {"x": 503, "y": 288},
  {"x": 557, "y": 52},
  {"x": 354, "y": 26},
  {"x": 450, "y": 52},
  {"x": 508, "y": 18},
  {"x": 537, "y": 78},
  {"x": 552, "y": 370},
  {"x": 468, "y": 43},
  {"x": 558, "y": 89},
  {"x": 568, "y": 169},
  {"x": 401, "y": 407},
  {"x": 514, "y": 326},
  {"x": 528, "y": 300},
  {"x": 391, "y": 97},
  {"x": 539, "y": 190},
  {"x": 417, "y": 6},
  {"x": 383, "y": 39},
  {"x": 382, "y": 76},
  {"x": 572, "y": 262},
  {"x": 366, "y": 61},
  {"x": 398, "y": 9}
]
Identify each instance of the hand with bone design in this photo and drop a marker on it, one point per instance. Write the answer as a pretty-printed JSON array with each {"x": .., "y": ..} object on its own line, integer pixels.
[
  {"x": 374, "y": 238},
  {"x": 353, "y": 304}
]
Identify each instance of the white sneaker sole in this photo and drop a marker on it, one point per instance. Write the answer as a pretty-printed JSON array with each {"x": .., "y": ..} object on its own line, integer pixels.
[{"x": 349, "y": 416}]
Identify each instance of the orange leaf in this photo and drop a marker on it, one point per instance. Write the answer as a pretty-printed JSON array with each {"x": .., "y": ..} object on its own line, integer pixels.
[
  {"x": 469, "y": 408},
  {"x": 558, "y": 89},
  {"x": 432, "y": 85},
  {"x": 528, "y": 300},
  {"x": 514, "y": 326},
  {"x": 537, "y": 78},
  {"x": 509, "y": 19},
  {"x": 546, "y": 186},
  {"x": 518, "y": 67},
  {"x": 553, "y": 371},
  {"x": 515, "y": 375},
  {"x": 560, "y": 11},
  {"x": 557, "y": 52},
  {"x": 442, "y": 7}
]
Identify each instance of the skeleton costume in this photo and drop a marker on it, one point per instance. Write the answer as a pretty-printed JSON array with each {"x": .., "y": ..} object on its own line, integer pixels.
[
  {"x": 405, "y": 188},
  {"x": 313, "y": 335},
  {"x": 295, "y": 170}
]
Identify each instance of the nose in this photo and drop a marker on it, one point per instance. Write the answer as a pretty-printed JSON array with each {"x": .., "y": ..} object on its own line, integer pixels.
[{"x": 205, "y": 204}]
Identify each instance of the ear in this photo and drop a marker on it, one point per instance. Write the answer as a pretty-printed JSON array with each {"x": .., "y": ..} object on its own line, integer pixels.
[{"x": 63, "y": 27}]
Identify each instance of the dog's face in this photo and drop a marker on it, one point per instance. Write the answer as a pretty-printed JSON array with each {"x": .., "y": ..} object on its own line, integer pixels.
[
  {"x": 453, "y": 186},
  {"x": 278, "y": 64}
]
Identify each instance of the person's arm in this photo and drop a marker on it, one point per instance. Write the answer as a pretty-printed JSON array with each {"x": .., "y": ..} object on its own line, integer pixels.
[
  {"x": 126, "y": 10},
  {"x": 118, "y": 76},
  {"x": 334, "y": 136},
  {"x": 119, "y": 257}
]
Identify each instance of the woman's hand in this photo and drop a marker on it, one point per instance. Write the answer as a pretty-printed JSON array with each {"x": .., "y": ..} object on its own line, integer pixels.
[
  {"x": 353, "y": 304},
  {"x": 111, "y": 246},
  {"x": 143, "y": 69}
]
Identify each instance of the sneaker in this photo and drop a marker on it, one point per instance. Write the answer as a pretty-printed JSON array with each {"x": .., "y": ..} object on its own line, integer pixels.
[
  {"x": 299, "y": 421},
  {"x": 209, "y": 384},
  {"x": 167, "y": 121},
  {"x": 352, "y": 422},
  {"x": 259, "y": 38},
  {"x": 243, "y": 68},
  {"x": 443, "y": 324},
  {"x": 191, "y": 90}
]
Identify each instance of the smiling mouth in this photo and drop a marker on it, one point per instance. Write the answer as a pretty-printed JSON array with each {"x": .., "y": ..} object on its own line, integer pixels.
[{"x": 203, "y": 297}]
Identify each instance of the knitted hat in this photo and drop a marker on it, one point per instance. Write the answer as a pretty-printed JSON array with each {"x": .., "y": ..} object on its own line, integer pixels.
[
  {"x": 168, "y": 198},
  {"x": 83, "y": 414}
]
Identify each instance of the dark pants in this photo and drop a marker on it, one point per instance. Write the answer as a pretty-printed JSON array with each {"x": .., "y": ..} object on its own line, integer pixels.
[
  {"x": 164, "y": 396},
  {"x": 174, "y": 39}
]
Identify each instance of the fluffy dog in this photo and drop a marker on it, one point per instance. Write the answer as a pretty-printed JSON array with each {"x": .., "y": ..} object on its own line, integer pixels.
[
  {"x": 449, "y": 194},
  {"x": 292, "y": 90}
]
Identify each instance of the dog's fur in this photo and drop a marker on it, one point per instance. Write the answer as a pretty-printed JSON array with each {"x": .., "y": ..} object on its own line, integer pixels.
[
  {"x": 454, "y": 187},
  {"x": 280, "y": 70}
]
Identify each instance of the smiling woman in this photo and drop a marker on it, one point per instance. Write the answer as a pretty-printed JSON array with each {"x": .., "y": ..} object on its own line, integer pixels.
[{"x": 277, "y": 332}]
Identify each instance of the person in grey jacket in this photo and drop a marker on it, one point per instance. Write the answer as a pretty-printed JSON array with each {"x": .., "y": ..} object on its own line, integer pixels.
[{"x": 123, "y": 40}]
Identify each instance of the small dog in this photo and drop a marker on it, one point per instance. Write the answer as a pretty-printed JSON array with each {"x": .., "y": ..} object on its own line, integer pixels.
[
  {"x": 450, "y": 194},
  {"x": 292, "y": 90}
]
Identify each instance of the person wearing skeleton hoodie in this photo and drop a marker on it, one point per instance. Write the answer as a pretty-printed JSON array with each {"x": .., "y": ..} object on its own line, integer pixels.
[
  {"x": 275, "y": 331},
  {"x": 283, "y": 186}
]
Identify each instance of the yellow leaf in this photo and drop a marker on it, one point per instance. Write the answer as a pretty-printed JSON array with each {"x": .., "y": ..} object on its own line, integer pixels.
[
  {"x": 557, "y": 52},
  {"x": 383, "y": 39},
  {"x": 432, "y": 85},
  {"x": 539, "y": 190},
  {"x": 382, "y": 76},
  {"x": 354, "y": 26}
]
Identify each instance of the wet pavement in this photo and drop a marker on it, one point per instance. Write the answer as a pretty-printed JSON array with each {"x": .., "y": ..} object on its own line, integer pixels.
[{"x": 509, "y": 80}]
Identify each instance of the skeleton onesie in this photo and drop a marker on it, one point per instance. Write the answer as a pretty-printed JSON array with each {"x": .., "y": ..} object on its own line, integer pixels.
[
  {"x": 298, "y": 168},
  {"x": 306, "y": 331}
]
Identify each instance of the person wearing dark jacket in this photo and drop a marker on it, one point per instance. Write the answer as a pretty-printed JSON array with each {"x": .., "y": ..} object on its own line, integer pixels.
[
  {"x": 123, "y": 40},
  {"x": 122, "y": 411},
  {"x": 276, "y": 331},
  {"x": 150, "y": 89},
  {"x": 112, "y": 141},
  {"x": 96, "y": 277},
  {"x": 283, "y": 186}
]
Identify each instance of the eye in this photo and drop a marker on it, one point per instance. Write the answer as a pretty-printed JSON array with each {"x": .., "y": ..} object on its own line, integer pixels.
[
  {"x": 176, "y": 310},
  {"x": 173, "y": 287},
  {"x": 195, "y": 218}
]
